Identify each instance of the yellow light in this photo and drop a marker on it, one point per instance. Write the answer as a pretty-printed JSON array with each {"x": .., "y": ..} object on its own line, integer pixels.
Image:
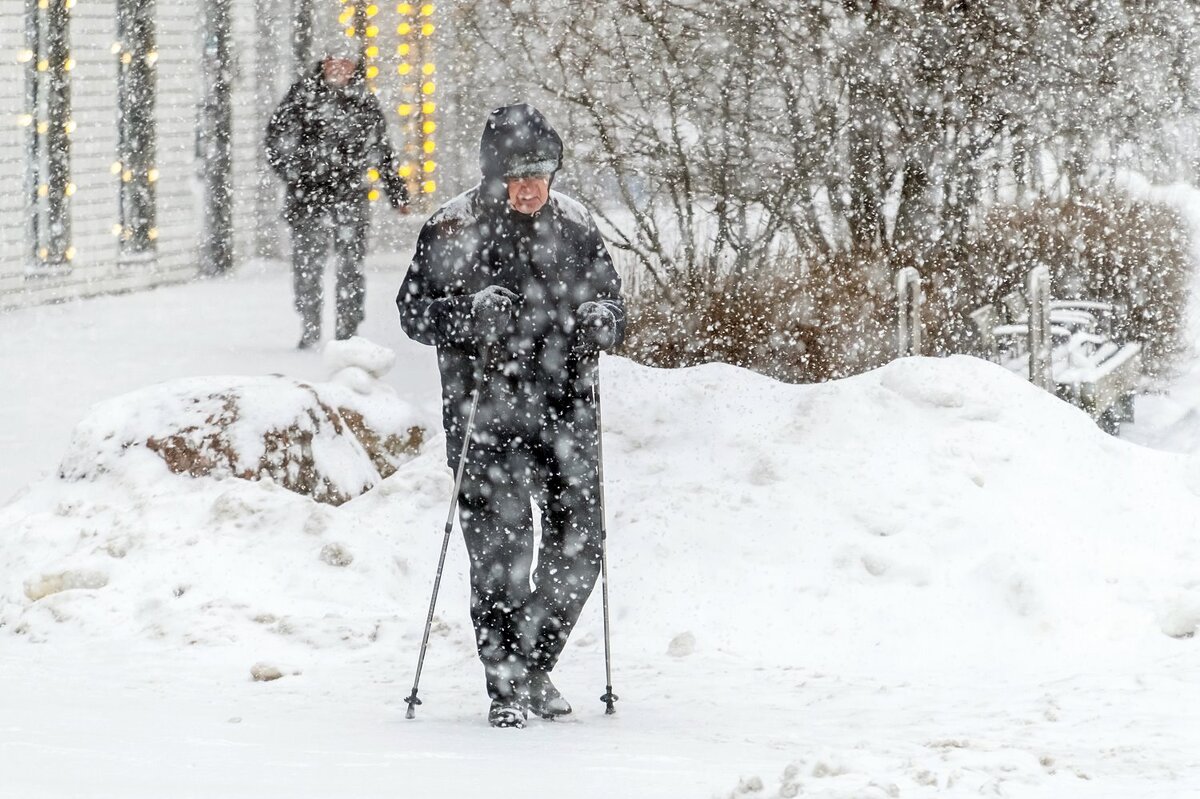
[
  {"x": 373, "y": 51},
  {"x": 427, "y": 10},
  {"x": 427, "y": 87},
  {"x": 43, "y": 190},
  {"x": 429, "y": 166},
  {"x": 24, "y": 56},
  {"x": 404, "y": 68},
  {"x": 350, "y": 32},
  {"x": 428, "y": 126},
  {"x": 429, "y": 187},
  {"x": 429, "y": 146},
  {"x": 403, "y": 49},
  {"x": 404, "y": 8},
  {"x": 69, "y": 254},
  {"x": 43, "y": 126},
  {"x": 115, "y": 168},
  {"x": 372, "y": 174},
  {"x": 70, "y": 189},
  {"x": 152, "y": 176},
  {"x": 116, "y": 229},
  {"x": 69, "y": 64},
  {"x": 43, "y": 253},
  {"x": 43, "y": 65},
  {"x": 427, "y": 29},
  {"x": 116, "y": 48},
  {"x": 69, "y": 126},
  {"x": 427, "y": 69},
  {"x": 428, "y": 108},
  {"x": 70, "y": 3},
  {"x": 152, "y": 233},
  {"x": 373, "y": 195},
  {"x": 25, "y": 120},
  {"x": 372, "y": 10},
  {"x": 43, "y": 3},
  {"x": 372, "y": 72},
  {"x": 346, "y": 16},
  {"x": 405, "y": 170},
  {"x": 404, "y": 109},
  {"x": 127, "y": 176},
  {"x": 152, "y": 57},
  {"x": 404, "y": 29},
  {"x": 372, "y": 31},
  {"x": 126, "y": 58}
]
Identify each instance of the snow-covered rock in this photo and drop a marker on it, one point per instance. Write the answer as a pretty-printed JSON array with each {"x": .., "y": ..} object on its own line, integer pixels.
[{"x": 317, "y": 439}]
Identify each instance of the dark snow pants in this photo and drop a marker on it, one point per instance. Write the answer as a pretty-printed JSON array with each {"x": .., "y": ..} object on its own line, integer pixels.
[
  {"x": 345, "y": 225},
  {"x": 520, "y": 627}
]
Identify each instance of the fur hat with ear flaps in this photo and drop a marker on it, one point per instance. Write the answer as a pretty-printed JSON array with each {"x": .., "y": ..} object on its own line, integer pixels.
[{"x": 518, "y": 141}]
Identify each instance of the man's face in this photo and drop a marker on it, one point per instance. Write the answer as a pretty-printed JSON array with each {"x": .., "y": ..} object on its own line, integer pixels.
[
  {"x": 528, "y": 195},
  {"x": 339, "y": 71}
]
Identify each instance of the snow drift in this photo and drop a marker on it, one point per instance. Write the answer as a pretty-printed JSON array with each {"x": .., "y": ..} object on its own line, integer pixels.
[{"x": 933, "y": 515}]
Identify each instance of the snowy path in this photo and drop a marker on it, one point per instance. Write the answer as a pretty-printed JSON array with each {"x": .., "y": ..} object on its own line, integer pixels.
[{"x": 921, "y": 582}]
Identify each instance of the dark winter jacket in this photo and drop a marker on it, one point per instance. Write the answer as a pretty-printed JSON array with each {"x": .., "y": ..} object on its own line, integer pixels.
[
  {"x": 539, "y": 372},
  {"x": 321, "y": 141}
]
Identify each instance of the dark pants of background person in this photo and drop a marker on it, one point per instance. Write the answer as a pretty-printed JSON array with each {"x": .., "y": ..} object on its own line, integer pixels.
[
  {"x": 517, "y": 627},
  {"x": 343, "y": 224}
]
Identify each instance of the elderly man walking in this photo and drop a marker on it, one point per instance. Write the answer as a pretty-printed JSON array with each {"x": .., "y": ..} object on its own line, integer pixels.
[
  {"x": 326, "y": 134},
  {"x": 512, "y": 283}
]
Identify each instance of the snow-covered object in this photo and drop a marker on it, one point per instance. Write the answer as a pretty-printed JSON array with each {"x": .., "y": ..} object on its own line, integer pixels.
[
  {"x": 317, "y": 439},
  {"x": 358, "y": 352}
]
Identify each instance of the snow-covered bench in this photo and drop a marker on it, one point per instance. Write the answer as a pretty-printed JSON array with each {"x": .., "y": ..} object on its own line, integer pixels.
[{"x": 1079, "y": 358}]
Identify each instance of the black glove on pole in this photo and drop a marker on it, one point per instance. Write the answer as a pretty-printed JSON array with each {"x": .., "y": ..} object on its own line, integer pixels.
[
  {"x": 480, "y": 378},
  {"x": 609, "y": 697}
]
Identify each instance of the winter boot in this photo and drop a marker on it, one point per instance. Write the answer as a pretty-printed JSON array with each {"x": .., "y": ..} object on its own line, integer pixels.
[
  {"x": 507, "y": 713},
  {"x": 310, "y": 335},
  {"x": 544, "y": 698}
]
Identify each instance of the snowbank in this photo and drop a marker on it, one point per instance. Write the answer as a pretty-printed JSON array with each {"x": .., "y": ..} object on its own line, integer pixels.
[{"x": 931, "y": 516}]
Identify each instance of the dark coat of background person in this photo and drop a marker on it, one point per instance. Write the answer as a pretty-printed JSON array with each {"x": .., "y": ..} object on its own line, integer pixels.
[
  {"x": 321, "y": 141},
  {"x": 535, "y": 427}
]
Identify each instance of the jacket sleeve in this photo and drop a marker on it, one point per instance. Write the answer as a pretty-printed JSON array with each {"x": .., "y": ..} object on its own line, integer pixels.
[
  {"x": 435, "y": 309},
  {"x": 284, "y": 131},
  {"x": 384, "y": 157},
  {"x": 603, "y": 280}
]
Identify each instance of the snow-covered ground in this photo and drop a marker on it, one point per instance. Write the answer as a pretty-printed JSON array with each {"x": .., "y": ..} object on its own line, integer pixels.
[{"x": 930, "y": 580}]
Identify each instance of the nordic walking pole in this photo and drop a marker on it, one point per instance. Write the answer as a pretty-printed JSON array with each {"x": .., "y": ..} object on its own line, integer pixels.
[
  {"x": 412, "y": 699},
  {"x": 609, "y": 697}
]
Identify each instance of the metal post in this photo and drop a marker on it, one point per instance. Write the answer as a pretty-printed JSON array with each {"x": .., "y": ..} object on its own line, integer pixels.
[
  {"x": 909, "y": 297},
  {"x": 136, "y": 130},
  {"x": 1038, "y": 297},
  {"x": 215, "y": 136}
]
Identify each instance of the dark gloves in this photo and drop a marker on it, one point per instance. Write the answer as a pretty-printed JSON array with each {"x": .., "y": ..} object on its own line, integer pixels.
[
  {"x": 491, "y": 311},
  {"x": 597, "y": 325}
]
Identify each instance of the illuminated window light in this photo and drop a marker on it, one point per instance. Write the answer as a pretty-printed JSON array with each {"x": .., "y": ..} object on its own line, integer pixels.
[
  {"x": 427, "y": 10},
  {"x": 427, "y": 87},
  {"x": 428, "y": 108},
  {"x": 428, "y": 187},
  {"x": 404, "y": 69},
  {"x": 428, "y": 126},
  {"x": 427, "y": 69}
]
